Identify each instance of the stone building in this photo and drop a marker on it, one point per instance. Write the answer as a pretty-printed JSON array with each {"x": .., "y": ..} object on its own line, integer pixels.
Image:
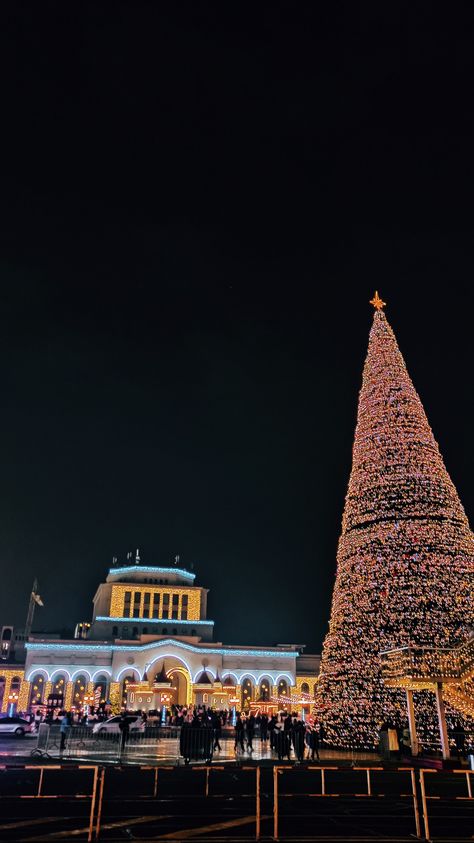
[{"x": 150, "y": 643}]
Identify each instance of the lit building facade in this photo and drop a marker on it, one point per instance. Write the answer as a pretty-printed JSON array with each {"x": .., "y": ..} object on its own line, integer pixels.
[{"x": 150, "y": 644}]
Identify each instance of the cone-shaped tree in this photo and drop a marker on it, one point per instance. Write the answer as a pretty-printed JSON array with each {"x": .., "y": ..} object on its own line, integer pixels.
[{"x": 405, "y": 562}]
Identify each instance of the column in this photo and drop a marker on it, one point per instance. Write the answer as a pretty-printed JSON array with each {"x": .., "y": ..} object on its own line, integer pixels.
[
  {"x": 6, "y": 693},
  {"x": 24, "y": 695},
  {"x": 48, "y": 689},
  {"x": 114, "y": 697},
  {"x": 412, "y": 723},
  {"x": 443, "y": 731},
  {"x": 69, "y": 690}
]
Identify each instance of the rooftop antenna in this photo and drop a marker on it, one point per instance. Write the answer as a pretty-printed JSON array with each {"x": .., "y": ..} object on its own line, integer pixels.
[
  {"x": 114, "y": 560},
  {"x": 129, "y": 556},
  {"x": 137, "y": 557},
  {"x": 35, "y": 600},
  {"x": 176, "y": 560}
]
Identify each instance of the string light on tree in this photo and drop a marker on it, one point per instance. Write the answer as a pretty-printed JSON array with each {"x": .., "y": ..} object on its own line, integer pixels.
[{"x": 405, "y": 562}]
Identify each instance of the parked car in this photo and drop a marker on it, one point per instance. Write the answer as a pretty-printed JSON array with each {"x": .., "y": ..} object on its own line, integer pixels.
[
  {"x": 111, "y": 725},
  {"x": 16, "y": 726}
]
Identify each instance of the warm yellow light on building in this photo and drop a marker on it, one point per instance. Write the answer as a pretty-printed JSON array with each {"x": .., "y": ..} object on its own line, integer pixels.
[{"x": 193, "y": 608}]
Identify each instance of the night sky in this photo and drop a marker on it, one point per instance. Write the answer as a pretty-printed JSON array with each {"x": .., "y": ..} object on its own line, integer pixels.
[{"x": 197, "y": 203}]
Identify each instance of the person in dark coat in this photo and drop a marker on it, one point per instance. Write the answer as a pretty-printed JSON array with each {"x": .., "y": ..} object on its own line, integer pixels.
[
  {"x": 298, "y": 735},
  {"x": 264, "y": 728},
  {"x": 271, "y": 729},
  {"x": 282, "y": 743},
  {"x": 250, "y": 732},
  {"x": 124, "y": 726},
  {"x": 239, "y": 733},
  {"x": 459, "y": 736},
  {"x": 314, "y": 742},
  {"x": 217, "y": 726}
]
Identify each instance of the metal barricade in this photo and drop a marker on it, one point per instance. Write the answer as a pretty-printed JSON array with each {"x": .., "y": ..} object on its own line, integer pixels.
[
  {"x": 426, "y": 797},
  {"x": 196, "y": 744},
  {"x": 44, "y": 781},
  {"x": 364, "y": 773}
]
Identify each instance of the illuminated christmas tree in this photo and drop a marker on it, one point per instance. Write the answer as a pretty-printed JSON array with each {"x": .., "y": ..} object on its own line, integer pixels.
[{"x": 405, "y": 562}]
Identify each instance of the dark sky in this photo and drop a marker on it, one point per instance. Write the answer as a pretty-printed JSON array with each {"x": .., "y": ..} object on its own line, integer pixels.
[{"x": 197, "y": 202}]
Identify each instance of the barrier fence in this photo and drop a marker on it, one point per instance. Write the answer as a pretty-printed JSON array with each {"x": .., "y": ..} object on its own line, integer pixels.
[
  {"x": 38, "y": 779},
  {"x": 302, "y": 796}
]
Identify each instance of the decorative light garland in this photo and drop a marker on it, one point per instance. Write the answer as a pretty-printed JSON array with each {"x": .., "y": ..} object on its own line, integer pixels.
[{"x": 405, "y": 562}]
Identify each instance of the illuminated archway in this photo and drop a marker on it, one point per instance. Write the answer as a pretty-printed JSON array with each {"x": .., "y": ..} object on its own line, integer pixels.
[{"x": 180, "y": 686}]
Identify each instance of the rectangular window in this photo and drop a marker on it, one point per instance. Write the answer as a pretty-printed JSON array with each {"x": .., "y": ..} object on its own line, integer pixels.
[
  {"x": 175, "y": 599},
  {"x": 184, "y": 614},
  {"x": 184, "y": 600},
  {"x": 165, "y": 613},
  {"x": 146, "y": 611},
  {"x": 174, "y": 614},
  {"x": 146, "y": 598},
  {"x": 136, "y": 611},
  {"x": 166, "y": 598},
  {"x": 156, "y": 605}
]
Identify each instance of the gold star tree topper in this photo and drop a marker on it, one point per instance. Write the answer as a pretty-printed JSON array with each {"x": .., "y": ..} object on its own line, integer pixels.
[{"x": 377, "y": 302}]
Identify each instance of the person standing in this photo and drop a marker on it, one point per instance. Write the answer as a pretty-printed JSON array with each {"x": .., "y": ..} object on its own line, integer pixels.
[
  {"x": 264, "y": 728},
  {"x": 124, "y": 726},
  {"x": 64, "y": 730},
  {"x": 239, "y": 733},
  {"x": 250, "y": 732},
  {"x": 314, "y": 742},
  {"x": 217, "y": 726},
  {"x": 298, "y": 739}
]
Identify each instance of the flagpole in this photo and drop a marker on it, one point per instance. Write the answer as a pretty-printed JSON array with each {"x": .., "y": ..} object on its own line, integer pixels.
[{"x": 31, "y": 610}]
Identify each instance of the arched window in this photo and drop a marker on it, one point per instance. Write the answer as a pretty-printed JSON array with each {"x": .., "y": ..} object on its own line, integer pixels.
[
  {"x": 304, "y": 688},
  {"x": 125, "y": 684},
  {"x": 264, "y": 690},
  {"x": 100, "y": 691},
  {"x": 193, "y": 632},
  {"x": 115, "y": 632},
  {"x": 59, "y": 685},
  {"x": 79, "y": 691},
  {"x": 145, "y": 630},
  {"x": 36, "y": 689},
  {"x": 247, "y": 689},
  {"x": 165, "y": 631},
  {"x": 315, "y": 688},
  {"x": 175, "y": 631},
  {"x": 135, "y": 632},
  {"x": 282, "y": 688}
]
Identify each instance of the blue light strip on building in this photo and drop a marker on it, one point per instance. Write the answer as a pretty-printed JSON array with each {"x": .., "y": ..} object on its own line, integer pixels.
[
  {"x": 143, "y": 569},
  {"x": 165, "y": 621},
  {"x": 218, "y": 651}
]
